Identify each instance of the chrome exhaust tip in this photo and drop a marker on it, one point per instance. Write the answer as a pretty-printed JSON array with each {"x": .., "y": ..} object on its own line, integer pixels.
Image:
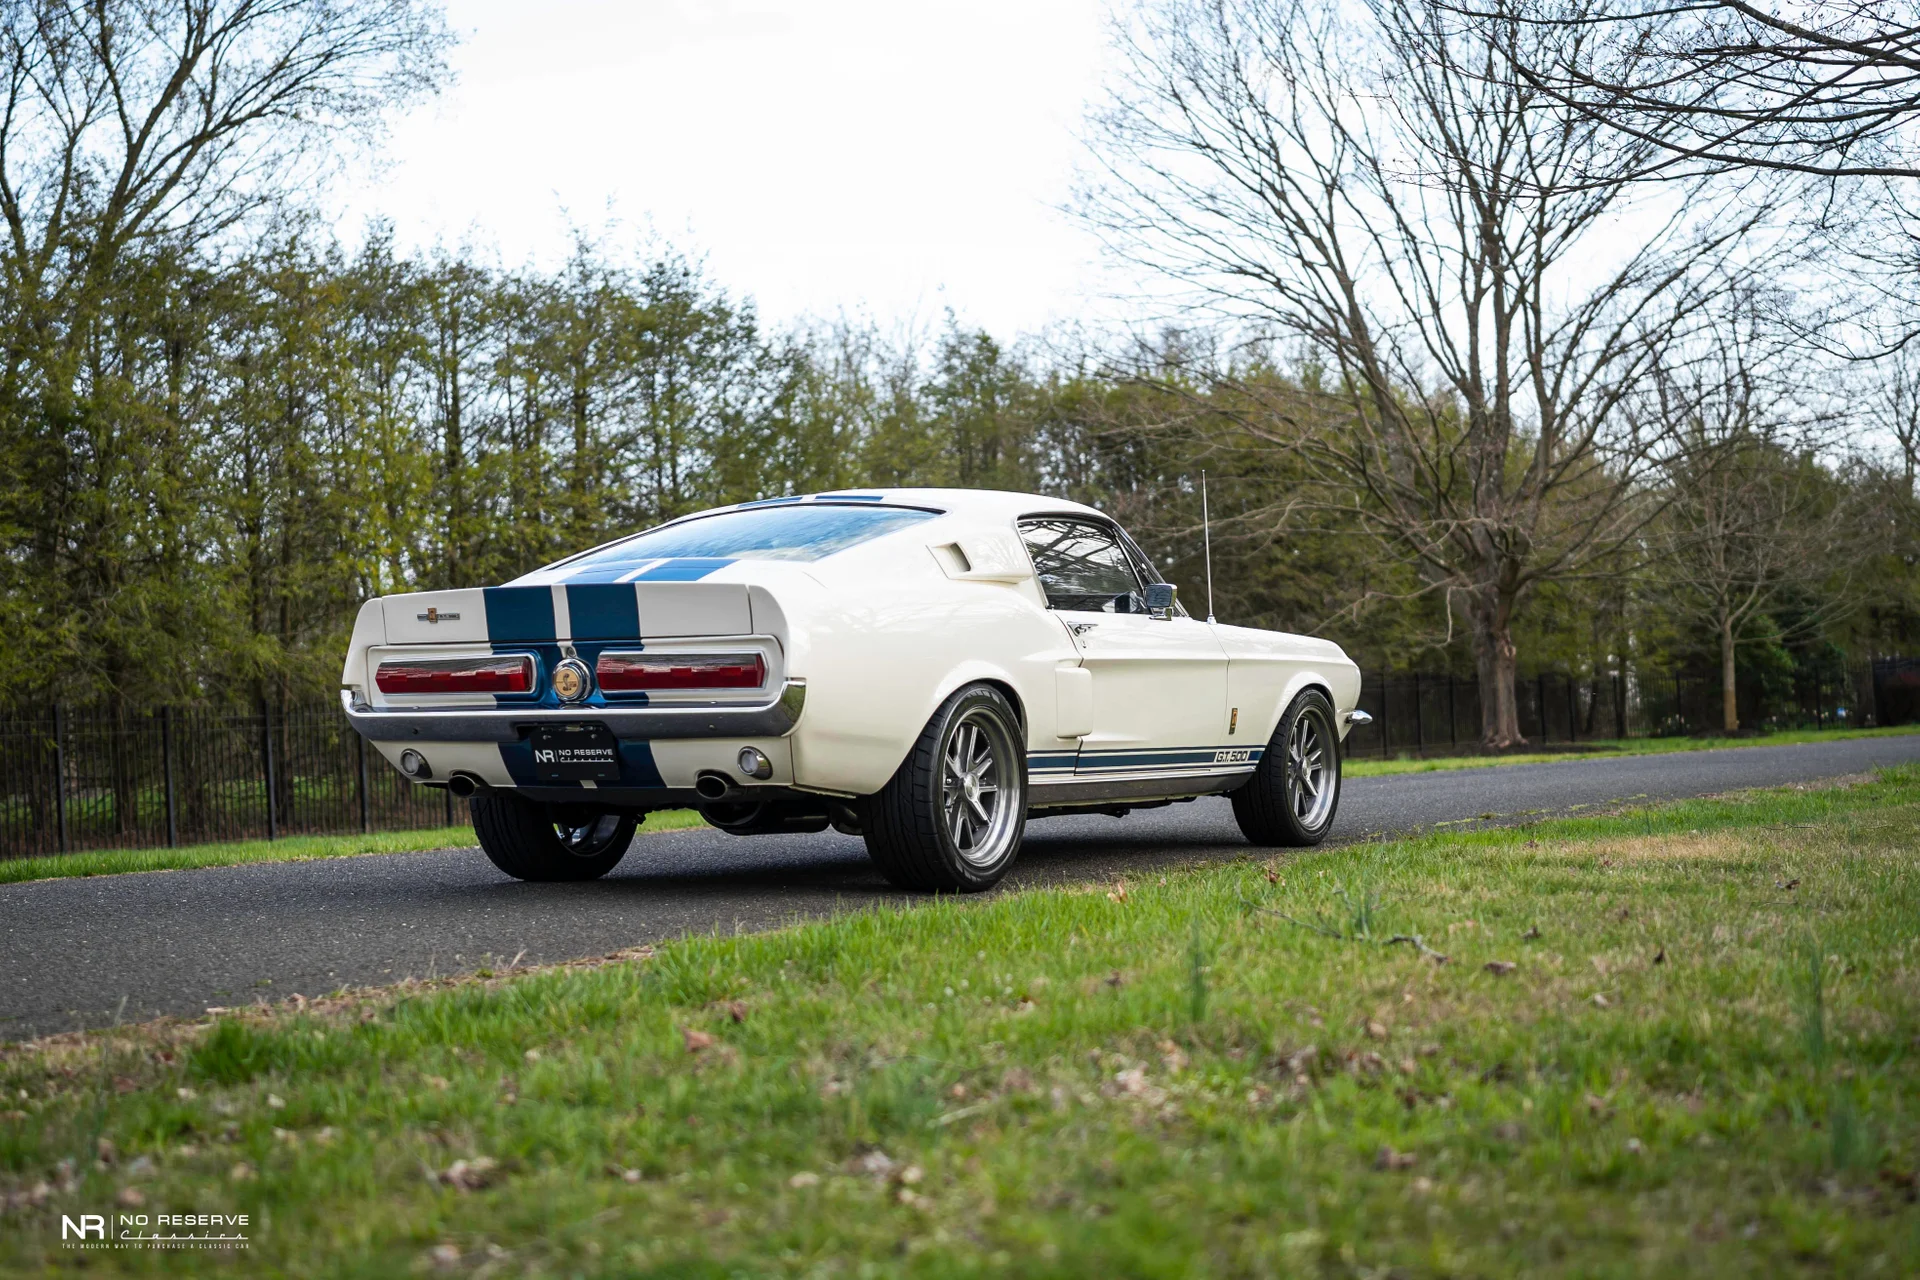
[
  {"x": 713, "y": 786},
  {"x": 465, "y": 785}
]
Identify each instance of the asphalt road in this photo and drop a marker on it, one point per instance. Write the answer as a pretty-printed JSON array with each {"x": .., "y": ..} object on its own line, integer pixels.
[{"x": 180, "y": 941}]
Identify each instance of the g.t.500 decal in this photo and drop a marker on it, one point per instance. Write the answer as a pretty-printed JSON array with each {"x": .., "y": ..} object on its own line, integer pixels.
[{"x": 1243, "y": 755}]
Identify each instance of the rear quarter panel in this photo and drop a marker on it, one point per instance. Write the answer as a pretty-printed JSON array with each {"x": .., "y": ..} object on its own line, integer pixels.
[{"x": 888, "y": 636}]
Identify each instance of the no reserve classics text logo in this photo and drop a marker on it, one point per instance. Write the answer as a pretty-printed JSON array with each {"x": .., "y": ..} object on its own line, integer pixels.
[{"x": 154, "y": 1231}]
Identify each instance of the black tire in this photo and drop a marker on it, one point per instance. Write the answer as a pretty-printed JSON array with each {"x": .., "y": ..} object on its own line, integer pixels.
[
  {"x": 925, "y": 834},
  {"x": 532, "y": 841},
  {"x": 1282, "y": 805}
]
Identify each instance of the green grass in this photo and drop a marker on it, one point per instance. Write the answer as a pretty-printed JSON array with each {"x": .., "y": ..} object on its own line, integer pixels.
[
  {"x": 1701, "y": 1062},
  {"x": 1365, "y": 767},
  {"x": 107, "y": 862}
]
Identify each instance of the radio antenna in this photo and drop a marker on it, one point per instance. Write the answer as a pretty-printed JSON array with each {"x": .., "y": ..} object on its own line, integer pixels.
[{"x": 1206, "y": 534}]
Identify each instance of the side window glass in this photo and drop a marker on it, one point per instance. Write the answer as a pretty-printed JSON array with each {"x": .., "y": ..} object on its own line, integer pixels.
[
  {"x": 1148, "y": 574},
  {"x": 1082, "y": 566}
]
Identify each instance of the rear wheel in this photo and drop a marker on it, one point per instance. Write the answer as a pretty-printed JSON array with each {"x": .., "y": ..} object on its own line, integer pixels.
[
  {"x": 954, "y": 812},
  {"x": 531, "y": 841},
  {"x": 1295, "y": 790}
]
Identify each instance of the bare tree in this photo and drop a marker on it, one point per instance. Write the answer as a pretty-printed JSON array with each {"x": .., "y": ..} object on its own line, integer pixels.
[
  {"x": 1752, "y": 520},
  {"x": 1477, "y": 310},
  {"x": 1829, "y": 89},
  {"x": 130, "y": 121},
  {"x": 1896, "y": 409}
]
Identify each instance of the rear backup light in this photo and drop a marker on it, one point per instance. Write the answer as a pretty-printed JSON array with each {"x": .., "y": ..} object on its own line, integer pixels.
[
  {"x": 512, "y": 673},
  {"x": 648, "y": 672}
]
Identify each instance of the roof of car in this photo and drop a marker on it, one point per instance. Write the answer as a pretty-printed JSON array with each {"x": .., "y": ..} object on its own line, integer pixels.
[
  {"x": 976, "y": 504},
  {"x": 981, "y": 503}
]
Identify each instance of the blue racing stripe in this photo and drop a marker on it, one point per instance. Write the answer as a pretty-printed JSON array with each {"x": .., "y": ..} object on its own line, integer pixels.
[
  {"x": 518, "y": 614},
  {"x": 603, "y": 611},
  {"x": 637, "y": 767},
  {"x": 1138, "y": 760},
  {"x": 601, "y": 573},
  {"x": 685, "y": 569},
  {"x": 1084, "y": 752},
  {"x": 1050, "y": 761},
  {"x": 1148, "y": 759}
]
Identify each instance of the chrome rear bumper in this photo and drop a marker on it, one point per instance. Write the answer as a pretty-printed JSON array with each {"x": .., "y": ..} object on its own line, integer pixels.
[{"x": 775, "y": 719}]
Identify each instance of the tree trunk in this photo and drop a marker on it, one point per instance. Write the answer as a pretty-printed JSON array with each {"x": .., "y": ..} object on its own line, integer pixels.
[
  {"x": 1494, "y": 658},
  {"x": 1729, "y": 702}
]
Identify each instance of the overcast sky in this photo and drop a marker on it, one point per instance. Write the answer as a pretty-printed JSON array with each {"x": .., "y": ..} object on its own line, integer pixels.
[{"x": 888, "y": 156}]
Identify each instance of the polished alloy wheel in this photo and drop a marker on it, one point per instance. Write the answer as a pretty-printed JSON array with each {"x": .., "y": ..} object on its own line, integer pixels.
[
  {"x": 980, "y": 789},
  {"x": 1309, "y": 771},
  {"x": 591, "y": 840}
]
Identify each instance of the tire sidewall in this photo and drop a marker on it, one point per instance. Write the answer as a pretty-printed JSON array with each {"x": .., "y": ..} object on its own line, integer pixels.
[
  {"x": 518, "y": 837},
  {"x": 970, "y": 699},
  {"x": 1311, "y": 702}
]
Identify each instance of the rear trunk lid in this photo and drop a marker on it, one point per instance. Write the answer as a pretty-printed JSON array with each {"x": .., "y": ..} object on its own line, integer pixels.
[{"x": 577, "y": 612}]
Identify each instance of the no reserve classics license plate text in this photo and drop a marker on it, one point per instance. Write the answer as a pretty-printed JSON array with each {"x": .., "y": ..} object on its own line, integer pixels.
[{"x": 574, "y": 753}]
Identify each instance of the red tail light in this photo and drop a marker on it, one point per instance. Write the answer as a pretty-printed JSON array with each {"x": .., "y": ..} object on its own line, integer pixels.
[
  {"x": 511, "y": 673},
  {"x": 647, "y": 672}
]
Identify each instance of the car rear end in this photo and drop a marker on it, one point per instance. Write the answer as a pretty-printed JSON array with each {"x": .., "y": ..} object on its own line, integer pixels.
[{"x": 667, "y": 690}]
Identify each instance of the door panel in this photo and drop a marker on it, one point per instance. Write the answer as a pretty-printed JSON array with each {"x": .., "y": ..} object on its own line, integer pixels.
[
  {"x": 1159, "y": 684},
  {"x": 1159, "y": 694}
]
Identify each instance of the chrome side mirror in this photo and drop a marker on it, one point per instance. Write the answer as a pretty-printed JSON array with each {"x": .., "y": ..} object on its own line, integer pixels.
[{"x": 1160, "y": 599}]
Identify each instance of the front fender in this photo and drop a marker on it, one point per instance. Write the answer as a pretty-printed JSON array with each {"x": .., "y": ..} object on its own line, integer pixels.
[
  {"x": 1267, "y": 670},
  {"x": 1299, "y": 684}
]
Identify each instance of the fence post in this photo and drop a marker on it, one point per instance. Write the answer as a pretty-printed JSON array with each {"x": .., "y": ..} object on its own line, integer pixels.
[
  {"x": 447, "y": 792},
  {"x": 266, "y": 735},
  {"x": 60, "y": 773},
  {"x": 1419, "y": 718},
  {"x": 1540, "y": 701},
  {"x": 1453, "y": 715},
  {"x": 166, "y": 758},
  {"x": 1384, "y": 753},
  {"x": 1573, "y": 711},
  {"x": 366, "y": 814}
]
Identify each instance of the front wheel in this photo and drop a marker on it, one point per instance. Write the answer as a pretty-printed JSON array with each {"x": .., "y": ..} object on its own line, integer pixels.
[
  {"x": 532, "y": 841},
  {"x": 1295, "y": 789},
  {"x": 954, "y": 812}
]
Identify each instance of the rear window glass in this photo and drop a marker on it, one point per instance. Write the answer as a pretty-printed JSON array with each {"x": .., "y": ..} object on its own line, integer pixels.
[{"x": 810, "y": 532}]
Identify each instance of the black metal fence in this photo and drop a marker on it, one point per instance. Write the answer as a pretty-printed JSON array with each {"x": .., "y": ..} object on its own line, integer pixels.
[
  {"x": 116, "y": 778},
  {"x": 1417, "y": 712}
]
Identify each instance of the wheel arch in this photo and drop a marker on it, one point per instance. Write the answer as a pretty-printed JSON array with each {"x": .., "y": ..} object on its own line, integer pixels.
[
  {"x": 960, "y": 677},
  {"x": 1012, "y": 696},
  {"x": 1300, "y": 682}
]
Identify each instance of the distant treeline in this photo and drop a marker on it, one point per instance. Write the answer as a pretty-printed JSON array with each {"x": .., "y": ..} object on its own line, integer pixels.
[{"x": 250, "y": 449}]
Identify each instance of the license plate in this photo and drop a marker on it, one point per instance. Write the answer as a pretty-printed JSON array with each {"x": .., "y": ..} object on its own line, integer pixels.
[{"x": 575, "y": 753}]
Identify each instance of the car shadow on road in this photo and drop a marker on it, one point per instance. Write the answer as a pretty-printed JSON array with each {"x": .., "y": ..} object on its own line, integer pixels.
[
  {"x": 697, "y": 867},
  {"x": 1054, "y": 853}
]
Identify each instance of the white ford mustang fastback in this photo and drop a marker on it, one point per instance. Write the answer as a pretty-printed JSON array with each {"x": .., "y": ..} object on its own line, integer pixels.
[{"x": 927, "y": 668}]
